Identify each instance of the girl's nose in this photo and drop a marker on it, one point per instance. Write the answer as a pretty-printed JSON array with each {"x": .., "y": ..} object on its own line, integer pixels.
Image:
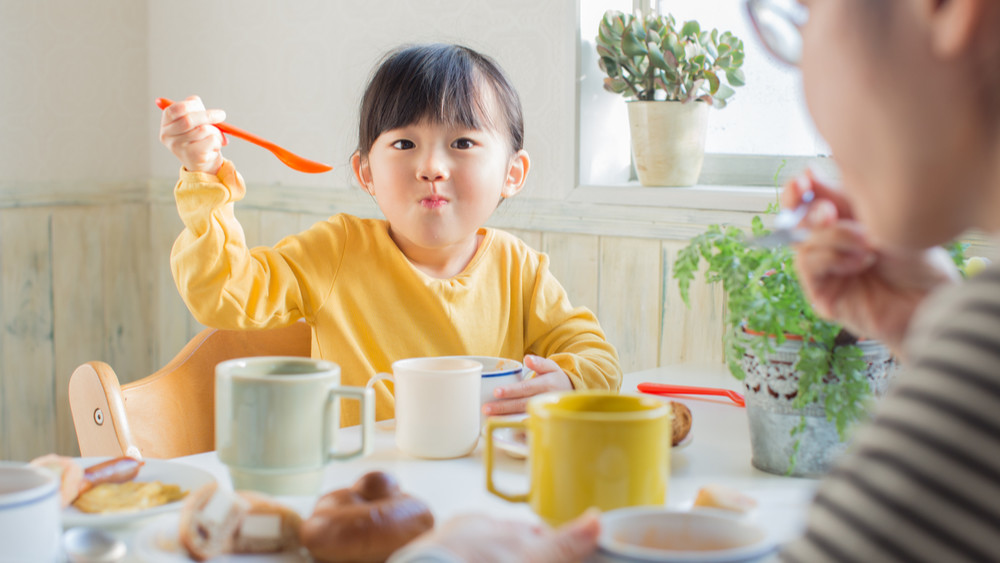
[{"x": 432, "y": 169}]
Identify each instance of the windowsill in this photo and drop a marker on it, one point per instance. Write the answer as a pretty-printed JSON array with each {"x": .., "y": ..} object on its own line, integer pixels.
[{"x": 747, "y": 199}]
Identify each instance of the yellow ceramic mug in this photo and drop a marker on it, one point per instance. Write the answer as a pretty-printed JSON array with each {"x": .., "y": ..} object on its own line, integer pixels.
[{"x": 590, "y": 448}]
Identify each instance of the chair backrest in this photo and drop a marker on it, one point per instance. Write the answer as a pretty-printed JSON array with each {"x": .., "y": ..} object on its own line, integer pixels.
[{"x": 170, "y": 413}]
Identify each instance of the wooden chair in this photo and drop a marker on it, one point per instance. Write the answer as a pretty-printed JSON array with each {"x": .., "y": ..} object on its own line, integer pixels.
[{"x": 170, "y": 413}]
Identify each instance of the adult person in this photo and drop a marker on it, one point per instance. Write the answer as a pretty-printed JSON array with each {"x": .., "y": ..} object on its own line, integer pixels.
[{"x": 907, "y": 94}]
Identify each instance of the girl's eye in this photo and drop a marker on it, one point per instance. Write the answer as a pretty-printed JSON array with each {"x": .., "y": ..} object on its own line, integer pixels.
[
  {"x": 464, "y": 144},
  {"x": 403, "y": 144}
]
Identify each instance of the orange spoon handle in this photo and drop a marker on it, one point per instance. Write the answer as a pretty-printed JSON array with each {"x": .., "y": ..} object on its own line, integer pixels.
[
  {"x": 667, "y": 389},
  {"x": 290, "y": 159}
]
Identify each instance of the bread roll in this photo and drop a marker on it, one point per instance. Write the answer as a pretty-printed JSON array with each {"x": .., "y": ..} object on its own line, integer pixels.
[
  {"x": 680, "y": 420},
  {"x": 209, "y": 519},
  {"x": 267, "y": 527},
  {"x": 214, "y": 521},
  {"x": 720, "y": 496},
  {"x": 365, "y": 523}
]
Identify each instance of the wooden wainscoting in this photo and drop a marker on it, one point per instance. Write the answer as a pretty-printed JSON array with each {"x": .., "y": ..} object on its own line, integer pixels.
[{"x": 75, "y": 287}]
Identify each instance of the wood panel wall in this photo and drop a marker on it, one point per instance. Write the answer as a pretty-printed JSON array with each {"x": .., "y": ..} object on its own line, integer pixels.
[{"x": 81, "y": 282}]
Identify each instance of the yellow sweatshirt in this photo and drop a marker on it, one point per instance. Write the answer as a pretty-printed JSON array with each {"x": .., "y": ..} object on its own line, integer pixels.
[{"x": 367, "y": 304}]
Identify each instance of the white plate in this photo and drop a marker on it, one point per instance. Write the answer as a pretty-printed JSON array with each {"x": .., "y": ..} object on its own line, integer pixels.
[
  {"x": 653, "y": 534},
  {"x": 187, "y": 477},
  {"x": 685, "y": 442},
  {"x": 510, "y": 440},
  {"x": 157, "y": 542}
]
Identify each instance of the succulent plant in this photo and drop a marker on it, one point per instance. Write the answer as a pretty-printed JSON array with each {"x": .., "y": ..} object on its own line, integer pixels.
[{"x": 643, "y": 56}]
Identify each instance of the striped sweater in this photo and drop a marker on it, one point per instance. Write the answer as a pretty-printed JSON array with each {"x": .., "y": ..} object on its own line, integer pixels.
[{"x": 922, "y": 481}]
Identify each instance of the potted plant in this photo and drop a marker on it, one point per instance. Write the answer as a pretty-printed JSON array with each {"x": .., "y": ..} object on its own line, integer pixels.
[
  {"x": 670, "y": 76},
  {"x": 807, "y": 380}
]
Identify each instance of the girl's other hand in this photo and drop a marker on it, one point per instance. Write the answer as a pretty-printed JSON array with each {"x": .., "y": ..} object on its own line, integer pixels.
[
  {"x": 514, "y": 398},
  {"x": 187, "y": 129},
  {"x": 872, "y": 292}
]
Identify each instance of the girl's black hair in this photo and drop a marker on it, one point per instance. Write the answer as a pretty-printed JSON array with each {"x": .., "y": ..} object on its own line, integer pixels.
[{"x": 442, "y": 83}]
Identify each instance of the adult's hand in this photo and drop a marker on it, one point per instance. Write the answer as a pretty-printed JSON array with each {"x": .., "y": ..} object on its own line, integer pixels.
[
  {"x": 871, "y": 291},
  {"x": 477, "y": 538}
]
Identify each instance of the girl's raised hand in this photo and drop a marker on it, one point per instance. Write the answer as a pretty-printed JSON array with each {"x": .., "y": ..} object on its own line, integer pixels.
[
  {"x": 186, "y": 128},
  {"x": 514, "y": 398},
  {"x": 873, "y": 292}
]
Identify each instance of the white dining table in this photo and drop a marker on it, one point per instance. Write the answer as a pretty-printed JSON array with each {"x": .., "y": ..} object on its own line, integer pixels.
[{"x": 718, "y": 452}]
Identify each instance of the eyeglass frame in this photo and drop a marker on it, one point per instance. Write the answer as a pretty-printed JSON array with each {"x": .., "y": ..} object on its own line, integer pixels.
[{"x": 797, "y": 21}]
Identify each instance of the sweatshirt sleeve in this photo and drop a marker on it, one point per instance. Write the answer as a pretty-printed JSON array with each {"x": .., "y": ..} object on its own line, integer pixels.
[
  {"x": 570, "y": 336},
  {"x": 224, "y": 283}
]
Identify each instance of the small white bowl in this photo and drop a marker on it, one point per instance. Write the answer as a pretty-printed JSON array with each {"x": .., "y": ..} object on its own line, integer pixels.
[
  {"x": 650, "y": 533},
  {"x": 497, "y": 372}
]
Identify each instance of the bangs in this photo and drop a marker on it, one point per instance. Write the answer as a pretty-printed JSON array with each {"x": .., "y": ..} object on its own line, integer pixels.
[{"x": 444, "y": 84}]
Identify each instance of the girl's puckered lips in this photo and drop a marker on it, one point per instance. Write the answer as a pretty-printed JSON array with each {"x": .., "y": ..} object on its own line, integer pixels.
[{"x": 434, "y": 202}]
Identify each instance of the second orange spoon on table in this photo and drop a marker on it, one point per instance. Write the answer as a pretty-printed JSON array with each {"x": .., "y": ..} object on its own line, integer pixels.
[
  {"x": 290, "y": 159},
  {"x": 665, "y": 389}
]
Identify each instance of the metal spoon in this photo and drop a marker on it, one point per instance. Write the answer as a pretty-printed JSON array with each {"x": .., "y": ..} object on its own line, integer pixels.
[
  {"x": 91, "y": 545},
  {"x": 786, "y": 230}
]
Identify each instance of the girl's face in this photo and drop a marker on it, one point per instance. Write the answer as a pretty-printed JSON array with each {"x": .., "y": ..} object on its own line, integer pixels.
[
  {"x": 437, "y": 184},
  {"x": 895, "y": 116}
]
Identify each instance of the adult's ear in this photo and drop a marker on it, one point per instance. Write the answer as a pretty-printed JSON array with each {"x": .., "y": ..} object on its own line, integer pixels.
[
  {"x": 517, "y": 173},
  {"x": 954, "y": 25},
  {"x": 362, "y": 172}
]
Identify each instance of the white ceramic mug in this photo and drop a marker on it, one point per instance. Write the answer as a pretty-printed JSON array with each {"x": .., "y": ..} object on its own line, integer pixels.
[
  {"x": 437, "y": 405},
  {"x": 30, "y": 514},
  {"x": 276, "y": 421}
]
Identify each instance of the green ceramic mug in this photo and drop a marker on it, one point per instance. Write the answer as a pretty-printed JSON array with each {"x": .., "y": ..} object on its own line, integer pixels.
[{"x": 277, "y": 421}]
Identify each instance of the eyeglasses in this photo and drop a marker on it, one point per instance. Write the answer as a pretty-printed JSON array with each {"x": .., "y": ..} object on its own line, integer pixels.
[{"x": 778, "y": 24}]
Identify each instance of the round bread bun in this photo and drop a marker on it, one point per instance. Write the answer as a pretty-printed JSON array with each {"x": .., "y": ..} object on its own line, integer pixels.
[
  {"x": 364, "y": 523},
  {"x": 680, "y": 421},
  {"x": 71, "y": 482}
]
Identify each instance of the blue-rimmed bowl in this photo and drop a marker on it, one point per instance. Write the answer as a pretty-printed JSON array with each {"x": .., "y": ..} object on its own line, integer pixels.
[{"x": 498, "y": 372}]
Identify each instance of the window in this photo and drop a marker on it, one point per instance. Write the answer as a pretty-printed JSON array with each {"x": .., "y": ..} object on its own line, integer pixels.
[{"x": 765, "y": 123}]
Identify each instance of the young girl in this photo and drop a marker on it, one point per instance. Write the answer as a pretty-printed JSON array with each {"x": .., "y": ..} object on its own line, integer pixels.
[{"x": 440, "y": 146}]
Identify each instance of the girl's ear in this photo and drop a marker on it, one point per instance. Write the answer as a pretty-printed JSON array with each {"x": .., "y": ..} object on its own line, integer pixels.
[
  {"x": 516, "y": 174},
  {"x": 362, "y": 172},
  {"x": 954, "y": 26}
]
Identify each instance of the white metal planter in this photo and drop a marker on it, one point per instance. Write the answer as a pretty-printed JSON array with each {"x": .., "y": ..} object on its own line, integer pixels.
[{"x": 771, "y": 387}]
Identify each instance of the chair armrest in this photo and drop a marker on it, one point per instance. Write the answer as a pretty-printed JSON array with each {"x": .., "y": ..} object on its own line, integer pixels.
[{"x": 98, "y": 410}]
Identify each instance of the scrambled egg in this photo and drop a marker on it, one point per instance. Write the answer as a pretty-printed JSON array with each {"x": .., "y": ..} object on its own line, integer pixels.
[{"x": 127, "y": 497}]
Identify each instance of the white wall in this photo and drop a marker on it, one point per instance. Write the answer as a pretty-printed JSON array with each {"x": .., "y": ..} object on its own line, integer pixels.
[{"x": 73, "y": 105}]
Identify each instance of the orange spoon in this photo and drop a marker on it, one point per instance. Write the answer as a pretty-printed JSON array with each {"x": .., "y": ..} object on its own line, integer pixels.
[
  {"x": 664, "y": 389},
  {"x": 292, "y": 160}
]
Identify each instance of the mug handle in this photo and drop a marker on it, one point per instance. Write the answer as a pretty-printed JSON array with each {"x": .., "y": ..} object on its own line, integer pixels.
[
  {"x": 366, "y": 397},
  {"x": 492, "y": 424},
  {"x": 385, "y": 424}
]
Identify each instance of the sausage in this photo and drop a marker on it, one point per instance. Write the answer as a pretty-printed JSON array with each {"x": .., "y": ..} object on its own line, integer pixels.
[{"x": 118, "y": 470}]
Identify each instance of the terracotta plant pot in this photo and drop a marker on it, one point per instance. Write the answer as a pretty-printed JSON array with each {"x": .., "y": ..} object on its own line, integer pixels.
[
  {"x": 771, "y": 387},
  {"x": 668, "y": 141}
]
